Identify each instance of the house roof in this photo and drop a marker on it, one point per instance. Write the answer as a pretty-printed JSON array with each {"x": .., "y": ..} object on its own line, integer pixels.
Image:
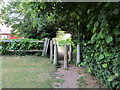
[{"x": 4, "y": 29}]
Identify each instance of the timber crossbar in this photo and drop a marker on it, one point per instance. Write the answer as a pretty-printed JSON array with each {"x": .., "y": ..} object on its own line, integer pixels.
[
  {"x": 20, "y": 40},
  {"x": 26, "y": 50}
]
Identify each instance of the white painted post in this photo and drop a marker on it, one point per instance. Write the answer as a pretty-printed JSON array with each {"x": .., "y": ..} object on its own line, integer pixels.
[
  {"x": 55, "y": 54},
  {"x": 51, "y": 50},
  {"x": 70, "y": 52},
  {"x": 65, "y": 57},
  {"x": 78, "y": 53}
]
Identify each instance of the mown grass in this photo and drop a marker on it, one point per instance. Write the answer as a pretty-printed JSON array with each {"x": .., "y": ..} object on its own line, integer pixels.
[
  {"x": 59, "y": 80},
  {"x": 26, "y": 72},
  {"x": 0, "y": 73}
]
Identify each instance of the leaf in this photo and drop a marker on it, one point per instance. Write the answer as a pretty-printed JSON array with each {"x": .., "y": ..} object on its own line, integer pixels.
[
  {"x": 89, "y": 70},
  {"x": 96, "y": 24},
  {"x": 108, "y": 39},
  {"x": 101, "y": 56},
  {"x": 102, "y": 36},
  {"x": 83, "y": 64},
  {"x": 111, "y": 78},
  {"x": 88, "y": 26},
  {"x": 34, "y": 23},
  {"x": 104, "y": 22},
  {"x": 116, "y": 11},
  {"x": 94, "y": 29},
  {"x": 93, "y": 38},
  {"x": 88, "y": 11},
  {"x": 117, "y": 74},
  {"x": 78, "y": 23},
  {"x": 104, "y": 65},
  {"x": 116, "y": 31},
  {"x": 91, "y": 54}
]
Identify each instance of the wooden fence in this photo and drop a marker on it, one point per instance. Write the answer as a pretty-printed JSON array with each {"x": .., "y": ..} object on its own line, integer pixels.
[
  {"x": 44, "y": 50},
  {"x": 53, "y": 51}
]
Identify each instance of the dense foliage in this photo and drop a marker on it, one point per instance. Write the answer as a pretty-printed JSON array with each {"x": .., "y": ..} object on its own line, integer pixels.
[
  {"x": 24, "y": 44},
  {"x": 95, "y": 26}
]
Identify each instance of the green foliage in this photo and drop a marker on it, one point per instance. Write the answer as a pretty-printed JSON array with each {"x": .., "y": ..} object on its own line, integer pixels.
[
  {"x": 65, "y": 42},
  {"x": 104, "y": 67},
  {"x": 99, "y": 39},
  {"x": 24, "y": 44},
  {"x": 29, "y": 19}
]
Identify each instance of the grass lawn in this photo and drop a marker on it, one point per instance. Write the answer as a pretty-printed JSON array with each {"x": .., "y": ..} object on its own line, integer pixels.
[{"x": 26, "y": 72}]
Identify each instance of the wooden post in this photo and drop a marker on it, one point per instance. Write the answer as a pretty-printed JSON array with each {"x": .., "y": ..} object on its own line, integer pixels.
[
  {"x": 51, "y": 50},
  {"x": 55, "y": 55},
  {"x": 44, "y": 48},
  {"x": 47, "y": 44},
  {"x": 65, "y": 57},
  {"x": 55, "y": 42},
  {"x": 78, "y": 53},
  {"x": 70, "y": 52}
]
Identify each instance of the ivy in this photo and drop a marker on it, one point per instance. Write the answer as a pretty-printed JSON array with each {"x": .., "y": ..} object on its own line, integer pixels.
[
  {"x": 108, "y": 39},
  {"x": 101, "y": 56}
]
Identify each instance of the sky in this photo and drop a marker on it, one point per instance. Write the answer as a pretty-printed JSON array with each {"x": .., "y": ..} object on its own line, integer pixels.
[{"x": 3, "y": 27}]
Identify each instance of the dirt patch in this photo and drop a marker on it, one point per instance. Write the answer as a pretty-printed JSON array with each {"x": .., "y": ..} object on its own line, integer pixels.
[
  {"x": 86, "y": 80},
  {"x": 70, "y": 77},
  {"x": 75, "y": 77}
]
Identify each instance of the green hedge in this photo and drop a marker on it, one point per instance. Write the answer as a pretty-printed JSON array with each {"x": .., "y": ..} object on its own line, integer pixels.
[
  {"x": 98, "y": 33},
  {"x": 24, "y": 44},
  {"x": 104, "y": 63}
]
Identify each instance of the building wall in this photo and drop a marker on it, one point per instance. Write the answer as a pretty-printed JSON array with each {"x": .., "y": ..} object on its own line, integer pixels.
[{"x": 8, "y": 36}]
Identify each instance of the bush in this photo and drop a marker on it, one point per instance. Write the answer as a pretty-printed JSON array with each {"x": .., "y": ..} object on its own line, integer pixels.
[
  {"x": 103, "y": 63},
  {"x": 99, "y": 36}
]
